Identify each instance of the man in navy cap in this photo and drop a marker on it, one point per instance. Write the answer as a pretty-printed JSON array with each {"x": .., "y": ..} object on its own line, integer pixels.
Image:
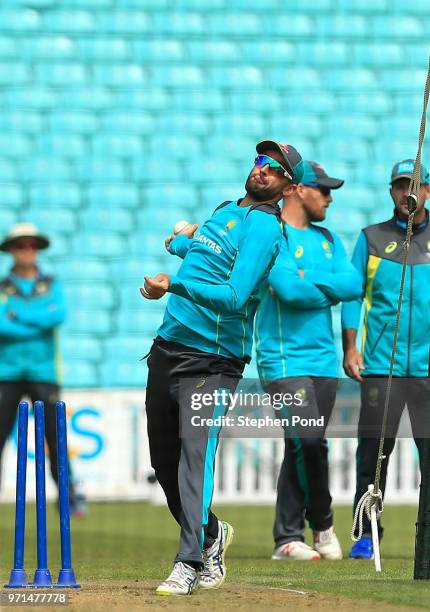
[
  {"x": 296, "y": 358},
  {"x": 378, "y": 257}
]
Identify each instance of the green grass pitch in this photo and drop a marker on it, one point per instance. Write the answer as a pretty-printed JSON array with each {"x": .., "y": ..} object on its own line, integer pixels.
[{"x": 136, "y": 542}]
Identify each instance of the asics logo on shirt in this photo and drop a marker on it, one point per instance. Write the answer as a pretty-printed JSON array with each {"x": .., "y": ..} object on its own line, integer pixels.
[{"x": 209, "y": 243}]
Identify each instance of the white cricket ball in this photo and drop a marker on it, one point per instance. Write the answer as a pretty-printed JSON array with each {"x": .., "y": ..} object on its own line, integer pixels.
[{"x": 180, "y": 226}]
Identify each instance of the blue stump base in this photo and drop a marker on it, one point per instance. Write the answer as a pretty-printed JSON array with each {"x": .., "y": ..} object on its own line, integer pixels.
[
  {"x": 42, "y": 579},
  {"x": 66, "y": 580},
  {"x": 18, "y": 579}
]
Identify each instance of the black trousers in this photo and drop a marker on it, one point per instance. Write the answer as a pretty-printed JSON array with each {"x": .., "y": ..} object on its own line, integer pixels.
[
  {"x": 183, "y": 456},
  {"x": 303, "y": 483},
  {"x": 413, "y": 392},
  {"x": 11, "y": 393}
]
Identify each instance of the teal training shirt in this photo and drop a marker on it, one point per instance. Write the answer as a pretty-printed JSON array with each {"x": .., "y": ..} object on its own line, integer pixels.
[
  {"x": 215, "y": 292},
  {"x": 293, "y": 328},
  {"x": 31, "y": 309},
  {"x": 378, "y": 258}
]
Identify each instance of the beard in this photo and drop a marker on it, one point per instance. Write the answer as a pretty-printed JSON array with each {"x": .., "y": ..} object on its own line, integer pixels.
[{"x": 261, "y": 193}]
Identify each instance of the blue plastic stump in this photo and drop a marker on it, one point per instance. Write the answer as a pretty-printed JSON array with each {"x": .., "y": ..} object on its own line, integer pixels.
[
  {"x": 42, "y": 576},
  {"x": 66, "y": 577},
  {"x": 18, "y": 577}
]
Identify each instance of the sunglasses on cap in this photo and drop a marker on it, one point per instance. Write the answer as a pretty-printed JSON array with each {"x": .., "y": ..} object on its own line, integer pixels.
[
  {"x": 21, "y": 245},
  {"x": 324, "y": 190},
  {"x": 265, "y": 160}
]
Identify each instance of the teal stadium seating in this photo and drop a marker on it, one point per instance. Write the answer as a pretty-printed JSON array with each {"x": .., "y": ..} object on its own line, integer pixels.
[{"x": 121, "y": 117}]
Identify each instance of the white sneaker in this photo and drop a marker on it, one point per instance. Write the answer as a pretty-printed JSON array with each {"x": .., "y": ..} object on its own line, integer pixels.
[
  {"x": 214, "y": 570},
  {"x": 327, "y": 544},
  {"x": 182, "y": 581},
  {"x": 295, "y": 551}
]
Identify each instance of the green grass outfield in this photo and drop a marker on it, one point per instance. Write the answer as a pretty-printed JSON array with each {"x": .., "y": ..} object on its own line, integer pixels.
[{"x": 137, "y": 542}]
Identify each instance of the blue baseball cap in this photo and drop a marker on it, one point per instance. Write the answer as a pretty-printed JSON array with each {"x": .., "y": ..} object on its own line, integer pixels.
[
  {"x": 405, "y": 169},
  {"x": 314, "y": 175}
]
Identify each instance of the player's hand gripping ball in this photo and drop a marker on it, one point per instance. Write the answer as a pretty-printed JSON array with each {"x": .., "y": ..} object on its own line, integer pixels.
[{"x": 181, "y": 227}]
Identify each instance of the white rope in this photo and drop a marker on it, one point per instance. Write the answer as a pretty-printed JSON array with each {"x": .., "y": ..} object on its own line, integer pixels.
[{"x": 366, "y": 501}]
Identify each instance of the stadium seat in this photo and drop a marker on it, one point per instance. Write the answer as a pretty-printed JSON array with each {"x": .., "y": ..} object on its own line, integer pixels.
[
  {"x": 146, "y": 245},
  {"x": 213, "y": 170},
  {"x": 378, "y": 174},
  {"x": 127, "y": 123},
  {"x": 123, "y": 22},
  {"x": 252, "y": 102},
  {"x": 140, "y": 321},
  {"x": 11, "y": 195},
  {"x": 80, "y": 374},
  {"x": 365, "y": 7},
  {"x": 75, "y": 21},
  {"x": 408, "y": 103},
  {"x": 110, "y": 195},
  {"x": 400, "y": 127},
  {"x": 131, "y": 270},
  {"x": 94, "y": 169},
  {"x": 355, "y": 126},
  {"x": 118, "y": 145},
  {"x": 179, "y": 76},
  {"x": 213, "y": 196},
  {"x": 14, "y": 73},
  {"x": 154, "y": 170},
  {"x": 251, "y": 124},
  {"x": 338, "y": 169},
  {"x": 98, "y": 49},
  {"x": 239, "y": 78},
  {"x": 203, "y": 5},
  {"x": 81, "y": 269},
  {"x": 378, "y": 55},
  {"x": 178, "y": 24},
  {"x": 7, "y": 219},
  {"x": 106, "y": 245},
  {"x": 356, "y": 221},
  {"x": 187, "y": 123},
  {"x": 61, "y": 74},
  {"x": 332, "y": 53},
  {"x": 52, "y": 220},
  {"x": 125, "y": 348},
  {"x": 17, "y": 145},
  {"x": 9, "y": 47},
  {"x": 91, "y": 296},
  {"x": 295, "y": 79},
  {"x": 59, "y": 246},
  {"x": 296, "y": 125},
  {"x": 263, "y": 52},
  {"x": 55, "y": 195},
  {"x": 176, "y": 147},
  {"x": 19, "y": 20},
  {"x": 160, "y": 50},
  {"x": 73, "y": 122},
  {"x": 107, "y": 219},
  {"x": 93, "y": 322},
  {"x": 37, "y": 169},
  {"x": 351, "y": 79},
  {"x": 80, "y": 346},
  {"x": 90, "y": 98},
  {"x": 235, "y": 147},
  {"x": 30, "y": 122},
  {"x": 340, "y": 149},
  {"x": 47, "y": 48},
  {"x": 68, "y": 145},
  {"x": 404, "y": 81},
  {"x": 388, "y": 27},
  {"x": 8, "y": 171},
  {"x": 354, "y": 199},
  {"x": 391, "y": 150},
  {"x": 124, "y": 374},
  {"x": 374, "y": 103},
  {"x": 172, "y": 196},
  {"x": 200, "y": 101},
  {"x": 154, "y": 98},
  {"x": 296, "y": 26},
  {"x": 120, "y": 75},
  {"x": 347, "y": 26},
  {"x": 160, "y": 219},
  {"x": 231, "y": 24},
  {"x": 208, "y": 51},
  {"x": 324, "y": 102}
]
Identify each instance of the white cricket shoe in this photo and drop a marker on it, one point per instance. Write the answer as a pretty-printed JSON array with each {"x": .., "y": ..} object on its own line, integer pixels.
[
  {"x": 182, "y": 581},
  {"x": 327, "y": 544},
  {"x": 214, "y": 570},
  {"x": 295, "y": 551}
]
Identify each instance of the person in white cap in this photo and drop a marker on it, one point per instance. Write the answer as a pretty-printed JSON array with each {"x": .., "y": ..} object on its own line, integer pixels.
[{"x": 32, "y": 307}]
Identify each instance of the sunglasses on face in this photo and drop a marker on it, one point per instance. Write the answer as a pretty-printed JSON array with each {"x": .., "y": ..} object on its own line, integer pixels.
[
  {"x": 264, "y": 160},
  {"x": 325, "y": 191},
  {"x": 21, "y": 246}
]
